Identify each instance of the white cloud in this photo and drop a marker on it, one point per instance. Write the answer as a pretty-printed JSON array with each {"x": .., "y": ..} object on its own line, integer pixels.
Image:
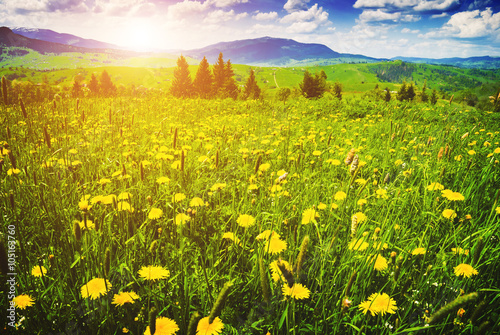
[
  {"x": 436, "y": 5},
  {"x": 437, "y": 16},
  {"x": 295, "y": 5},
  {"x": 218, "y": 16},
  {"x": 262, "y": 28},
  {"x": 379, "y": 15},
  {"x": 187, "y": 8},
  {"x": 385, "y": 3},
  {"x": 226, "y": 3},
  {"x": 302, "y": 27},
  {"x": 265, "y": 16},
  {"x": 409, "y": 31},
  {"x": 312, "y": 14}
]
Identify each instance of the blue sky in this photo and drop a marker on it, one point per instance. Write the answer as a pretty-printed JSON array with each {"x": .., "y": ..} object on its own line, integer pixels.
[{"x": 376, "y": 28}]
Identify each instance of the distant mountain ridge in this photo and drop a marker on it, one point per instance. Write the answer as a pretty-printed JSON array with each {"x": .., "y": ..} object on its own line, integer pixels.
[
  {"x": 484, "y": 62},
  {"x": 62, "y": 38}
]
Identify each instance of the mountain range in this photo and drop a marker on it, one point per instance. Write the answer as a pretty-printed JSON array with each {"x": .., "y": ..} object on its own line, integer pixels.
[{"x": 265, "y": 51}]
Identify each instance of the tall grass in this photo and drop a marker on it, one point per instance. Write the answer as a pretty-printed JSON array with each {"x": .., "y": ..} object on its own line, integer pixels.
[{"x": 160, "y": 154}]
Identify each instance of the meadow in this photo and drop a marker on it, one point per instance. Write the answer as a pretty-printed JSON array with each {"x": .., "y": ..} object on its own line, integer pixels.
[{"x": 135, "y": 215}]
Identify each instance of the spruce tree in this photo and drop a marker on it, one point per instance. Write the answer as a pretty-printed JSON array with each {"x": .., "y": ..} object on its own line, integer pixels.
[
  {"x": 203, "y": 82},
  {"x": 107, "y": 88},
  {"x": 410, "y": 93},
  {"x": 230, "y": 86},
  {"x": 387, "y": 96},
  {"x": 182, "y": 85},
  {"x": 252, "y": 90},
  {"x": 434, "y": 97},
  {"x": 337, "y": 90},
  {"x": 94, "y": 85},
  {"x": 402, "y": 92},
  {"x": 219, "y": 74},
  {"x": 313, "y": 86}
]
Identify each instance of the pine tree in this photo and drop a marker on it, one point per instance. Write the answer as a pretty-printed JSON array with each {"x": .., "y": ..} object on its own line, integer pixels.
[
  {"x": 313, "y": 86},
  {"x": 219, "y": 74},
  {"x": 76, "y": 90},
  {"x": 203, "y": 82},
  {"x": 107, "y": 88},
  {"x": 434, "y": 97},
  {"x": 337, "y": 90},
  {"x": 410, "y": 93},
  {"x": 387, "y": 96},
  {"x": 94, "y": 85},
  {"x": 402, "y": 92},
  {"x": 252, "y": 90},
  {"x": 182, "y": 85},
  {"x": 230, "y": 87},
  {"x": 423, "y": 95}
]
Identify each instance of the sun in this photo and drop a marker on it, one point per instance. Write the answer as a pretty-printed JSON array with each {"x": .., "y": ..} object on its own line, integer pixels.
[{"x": 141, "y": 36}]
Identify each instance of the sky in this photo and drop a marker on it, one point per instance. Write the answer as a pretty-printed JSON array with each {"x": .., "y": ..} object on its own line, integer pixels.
[{"x": 374, "y": 28}]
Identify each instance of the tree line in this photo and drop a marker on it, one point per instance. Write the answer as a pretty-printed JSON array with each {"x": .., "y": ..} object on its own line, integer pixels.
[{"x": 216, "y": 83}]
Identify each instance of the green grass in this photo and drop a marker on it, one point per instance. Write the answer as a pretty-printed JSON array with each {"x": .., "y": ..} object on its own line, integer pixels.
[{"x": 66, "y": 155}]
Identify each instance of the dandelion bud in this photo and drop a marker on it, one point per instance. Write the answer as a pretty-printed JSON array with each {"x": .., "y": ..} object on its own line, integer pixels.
[
  {"x": 76, "y": 230},
  {"x": 253, "y": 201},
  {"x": 350, "y": 156},
  {"x": 387, "y": 178},
  {"x": 142, "y": 171},
  {"x": 393, "y": 136},
  {"x": 329, "y": 139},
  {"x": 149, "y": 199},
  {"x": 452, "y": 306},
  {"x": 182, "y": 160},
  {"x": 302, "y": 255},
  {"x": 152, "y": 320},
  {"x": 429, "y": 140},
  {"x": 193, "y": 323},
  {"x": 464, "y": 135},
  {"x": 447, "y": 150},
  {"x": 264, "y": 280},
  {"x": 219, "y": 303},
  {"x": 107, "y": 262}
]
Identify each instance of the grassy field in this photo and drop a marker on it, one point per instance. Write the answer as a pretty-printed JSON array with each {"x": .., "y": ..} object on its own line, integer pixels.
[{"x": 249, "y": 217}]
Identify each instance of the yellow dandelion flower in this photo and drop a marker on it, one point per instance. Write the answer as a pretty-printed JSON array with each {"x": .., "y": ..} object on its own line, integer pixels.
[
  {"x": 297, "y": 291},
  {"x": 360, "y": 181},
  {"x": 339, "y": 196},
  {"x": 452, "y": 196},
  {"x": 90, "y": 225},
  {"x": 358, "y": 245},
  {"x": 12, "y": 171},
  {"x": 245, "y": 220},
  {"x": 155, "y": 213},
  {"x": 123, "y": 298},
  {"x": 178, "y": 197},
  {"x": 38, "y": 271},
  {"x": 435, "y": 187},
  {"x": 380, "y": 262},
  {"x": 125, "y": 196},
  {"x": 22, "y": 301},
  {"x": 361, "y": 217},
  {"x": 95, "y": 288},
  {"x": 309, "y": 216},
  {"x": 316, "y": 153},
  {"x": 321, "y": 206},
  {"x": 232, "y": 237},
  {"x": 264, "y": 167},
  {"x": 497, "y": 210},
  {"x": 266, "y": 234},
  {"x": 153, "y": 272},
  {"x": 217, "y": 187},
  {"x": 362, "y": 202},
  {"x": 104, "y": 181},
  {"x": 378, "y": 303},
  {"x": 196, "y": 202},
  {"x": 164, "y": 326},
  {"x": 471, "y": 152},
  {"x": 125, "y": 206},
  {"x": 334, "y": 206},
  {"x": 449, "y": 214},
  {"x": 181, "y": 218},
  {"x": 163, "y": 180},
  {"x": 382, "y": 193},
  {"x": 465, "y": 270},
  {"x": 109, "y": 199},
  {"x": 275, "y": 245},
  {"x": 418, "y": 251},
  {"x": 460, "y": 251},
  {"x": 205, "y": 328}
]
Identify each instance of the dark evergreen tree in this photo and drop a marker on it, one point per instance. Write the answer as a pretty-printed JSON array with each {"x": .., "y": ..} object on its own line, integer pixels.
[
  {"x": 182, "y": 85},
  {"x": 219, "y": 71},
  {"x": 93, "y": 85},
  {"x": 230, "y": 88},
  {"x": 402, "y": 92},
  {"x": 410, "y": 93},
  {"x": 387, "y": 96},
  {"x": 106, "y": 86},
  {"x": 76, "y": 90},
  {"x": 252, "y": 90},
  {"x": 203, "y": 82},
  {"x": 283, "y": 94},
  {"x": 423, "y": 95},
  {"x": 434, "y": 97}
]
